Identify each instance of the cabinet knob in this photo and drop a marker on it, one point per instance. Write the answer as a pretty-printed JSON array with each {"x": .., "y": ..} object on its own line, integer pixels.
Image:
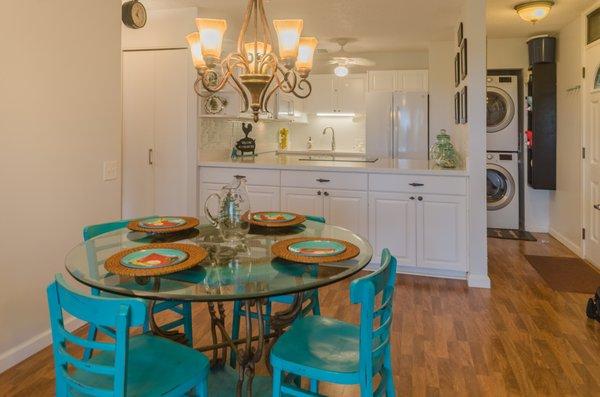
[
  {"x": 319, "y": 193},
  {"x": 420, "y": 198},
  {"x": 326, "y": 193}
]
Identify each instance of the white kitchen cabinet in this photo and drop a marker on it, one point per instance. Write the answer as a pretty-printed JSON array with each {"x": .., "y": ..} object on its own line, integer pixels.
[
  {"x": 348, "y": 209},
  {"x": 442, "y": 231},
  {"x": 158, "y": 137},
  {"x": 392, "y": 225},
  {"x": 332, "y": 94},
  {"x": 305, "y": 201},
  {"x": 398, "y": 80},
  {"x": 262, "y": 198}
]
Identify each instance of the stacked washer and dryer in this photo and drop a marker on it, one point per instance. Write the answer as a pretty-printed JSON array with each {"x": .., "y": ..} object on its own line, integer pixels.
[{"x": 503, "y": 177}]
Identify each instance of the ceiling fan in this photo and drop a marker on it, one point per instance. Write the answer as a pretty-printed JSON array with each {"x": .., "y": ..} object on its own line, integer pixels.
[{"x": 343, "y": 60}]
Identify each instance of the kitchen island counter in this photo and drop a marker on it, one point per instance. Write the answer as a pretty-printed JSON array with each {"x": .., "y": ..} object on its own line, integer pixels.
[{"x": 272, "y": 160}]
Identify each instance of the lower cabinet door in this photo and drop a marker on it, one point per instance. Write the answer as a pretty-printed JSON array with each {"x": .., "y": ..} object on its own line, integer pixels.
[
  {"x": 441, "y": 232},
  {"x": 348, "y": 209},
  {"x": 302, "y": 201},
  {"x": 264, "y": 198},
  {"x": 392, "y": 225}
]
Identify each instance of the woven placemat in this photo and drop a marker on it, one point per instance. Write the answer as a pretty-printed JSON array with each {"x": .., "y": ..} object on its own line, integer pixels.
[
  {"x": 190, "y": 223},
  {"x": 195, "y": 253},
  {"x": 298, "y": 219},
  {"x": 280, "y": 249}
]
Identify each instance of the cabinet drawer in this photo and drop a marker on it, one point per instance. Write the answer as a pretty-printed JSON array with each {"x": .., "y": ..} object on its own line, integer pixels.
[
  {"x": 225, "y": 175},
  {"x": 317, "y": 179},
  {"x": 418, "y": 184}
]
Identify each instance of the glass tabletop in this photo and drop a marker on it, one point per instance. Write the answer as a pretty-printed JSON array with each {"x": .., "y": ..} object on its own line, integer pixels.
[{"x": 245, "y": 271}]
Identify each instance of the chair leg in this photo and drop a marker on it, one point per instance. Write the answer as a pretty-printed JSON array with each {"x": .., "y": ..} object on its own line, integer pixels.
[
  {"x": 390, "y": 391},
  {"x": 267, "y": 317},
  {"x": 314, "y": 385},
  {"x": 316, "y": 306},
  {"x": 187, "y": 323},
  {"x": 92, "y": 333},
  {"x": 276, "y": 382},
  {"x": 235, "y": 328}
]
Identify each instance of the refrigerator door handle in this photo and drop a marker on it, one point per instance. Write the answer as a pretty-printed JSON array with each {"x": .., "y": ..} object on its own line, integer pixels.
[{"x": 393, "y": 129}]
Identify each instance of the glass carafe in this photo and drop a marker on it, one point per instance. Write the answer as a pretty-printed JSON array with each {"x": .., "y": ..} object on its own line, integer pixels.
[{"x": 234, "y": 210}]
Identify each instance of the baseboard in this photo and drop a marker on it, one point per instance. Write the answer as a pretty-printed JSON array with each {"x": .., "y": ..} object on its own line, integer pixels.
[
  {"x": 537, "y": 228},
  {"x": 33, "y": 345},
  {"x": 479, "y": 281},
  {"x": 420, "y": 271},
  {"x": 568, "y": 243}
]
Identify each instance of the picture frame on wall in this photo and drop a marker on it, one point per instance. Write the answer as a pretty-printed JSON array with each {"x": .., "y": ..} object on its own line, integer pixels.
[
  {"x": 463, "y": 59},
  {"x": 457, "y": 69},
  {"x": 463, "y": 106},
  {"x": 457, "y": 108},
  {"x": 459, "y": 35}
]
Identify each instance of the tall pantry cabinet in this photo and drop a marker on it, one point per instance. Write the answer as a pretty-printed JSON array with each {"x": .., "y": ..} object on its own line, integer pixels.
[{"x": 159, "y": 133}]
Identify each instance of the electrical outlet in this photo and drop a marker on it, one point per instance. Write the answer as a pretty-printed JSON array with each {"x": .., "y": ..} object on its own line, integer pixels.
[{"x": 110, "y": 170}]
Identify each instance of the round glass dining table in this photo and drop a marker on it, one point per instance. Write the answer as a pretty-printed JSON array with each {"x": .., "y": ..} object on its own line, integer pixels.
[{"x": 247, "y": 272}]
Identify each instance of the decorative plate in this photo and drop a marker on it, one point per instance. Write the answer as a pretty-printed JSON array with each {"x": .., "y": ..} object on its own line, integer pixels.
[
  {"x": 163, "y": 224},
  {"x": 317, "y": 248},
  {"x": 276, "y": 219},
  {"x": 314, "y": 250},
  {"x": 153, "y": 258},
  {"x": 215, "y": 104}
]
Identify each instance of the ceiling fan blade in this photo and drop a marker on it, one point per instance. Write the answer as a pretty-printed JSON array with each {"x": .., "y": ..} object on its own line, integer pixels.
[{"x": 361, "y": 62}]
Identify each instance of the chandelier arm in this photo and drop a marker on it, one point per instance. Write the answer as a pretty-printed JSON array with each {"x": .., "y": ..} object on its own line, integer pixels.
[
  {"x": 233, "y": 61},
  {"x": 308, "y": 87},
  {"x": 263, "y": 17},
  {"x": 210, "y": 86},
  {"x": 266, "y": 95},
  {"x": 198, "y": 88}
]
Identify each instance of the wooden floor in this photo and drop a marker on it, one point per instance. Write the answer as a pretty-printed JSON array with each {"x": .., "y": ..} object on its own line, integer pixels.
[{"x": 519, "y": 338}]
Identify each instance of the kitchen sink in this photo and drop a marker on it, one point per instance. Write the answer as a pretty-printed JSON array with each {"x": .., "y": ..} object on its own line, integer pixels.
[{"x": 351, "y": 159}]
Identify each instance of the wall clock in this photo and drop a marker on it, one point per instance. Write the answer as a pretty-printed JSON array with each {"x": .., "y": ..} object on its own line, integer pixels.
[{"x": 133, "y": 14}]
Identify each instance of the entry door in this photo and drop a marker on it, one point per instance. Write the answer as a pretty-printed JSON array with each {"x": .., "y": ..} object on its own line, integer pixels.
[{"x": 592, "y": 180}]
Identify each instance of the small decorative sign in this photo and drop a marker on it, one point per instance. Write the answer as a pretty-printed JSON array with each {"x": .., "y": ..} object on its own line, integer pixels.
[{"x": 246, "y": 145}]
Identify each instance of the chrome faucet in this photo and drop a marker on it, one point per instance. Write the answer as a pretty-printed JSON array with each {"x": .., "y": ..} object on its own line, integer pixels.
[{"x": 332, "y": 137}]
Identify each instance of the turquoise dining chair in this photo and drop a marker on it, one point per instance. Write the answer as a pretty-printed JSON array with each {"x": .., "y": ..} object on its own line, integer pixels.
[
  {"x": 182, "y": 308},
  {"x": 329, "y": 350},
  {"x": 239, "y": 311},
  {"x": 141, "y": 365}
]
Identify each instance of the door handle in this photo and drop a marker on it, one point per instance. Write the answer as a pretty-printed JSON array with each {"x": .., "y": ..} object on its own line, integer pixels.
[
  {"x": 416, "y": 184},
  {"x": 150, "y": 161},
  {"x": 597, "y": 206},
  {"x": 323, "y": 180}
]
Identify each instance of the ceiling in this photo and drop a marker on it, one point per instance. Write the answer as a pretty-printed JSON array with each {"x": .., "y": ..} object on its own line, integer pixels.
[
  {"x": 503, "y": 21},
  {"x": 380, "y": 25}
]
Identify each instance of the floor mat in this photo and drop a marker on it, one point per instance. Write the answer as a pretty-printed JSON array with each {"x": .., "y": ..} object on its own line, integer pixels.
[
  {"x": 510, "y": 234},
  {"x": 566, "y": 274}
]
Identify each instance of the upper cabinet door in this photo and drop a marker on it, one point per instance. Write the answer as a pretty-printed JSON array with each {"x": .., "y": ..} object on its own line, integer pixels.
[
  {"x": 382, "y": 80},
  {"x": 350, "y": 94},
  {"x": 321, "y": 99},
  {"x": 441, "y": 232},
  {"x": 412, "y": 80}
]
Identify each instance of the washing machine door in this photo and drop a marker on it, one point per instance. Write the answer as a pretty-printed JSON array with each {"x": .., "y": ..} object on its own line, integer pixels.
[
  {"x": 500, "y": 109},
  {"x": 500, "y": 187}
]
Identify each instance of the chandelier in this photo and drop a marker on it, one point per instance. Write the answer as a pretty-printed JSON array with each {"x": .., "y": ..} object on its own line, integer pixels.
[{"x": 254, "y": 70}]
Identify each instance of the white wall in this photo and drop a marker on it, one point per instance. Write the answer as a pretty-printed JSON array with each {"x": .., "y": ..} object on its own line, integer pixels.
[
  {"x": 512, "y": 54},
  {"x": 473, "y": 135},
  {"x": 60, "y": 119},
  {"x": 565, "y": 202},
  {"x": 349, "y": 133},
  {"x": 441, "y": 88},
  {"x": 164, "y": 29}
]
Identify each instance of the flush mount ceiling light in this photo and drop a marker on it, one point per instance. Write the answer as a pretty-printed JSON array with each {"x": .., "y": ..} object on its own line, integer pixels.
[
  {"x": 254, "y": 71},
  {"x": 341, "y": 71},
  {"x": 534, "y": 11}
]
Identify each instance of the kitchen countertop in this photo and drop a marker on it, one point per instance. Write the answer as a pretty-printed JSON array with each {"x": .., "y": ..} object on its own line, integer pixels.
[{"x": 272, "y": 160}]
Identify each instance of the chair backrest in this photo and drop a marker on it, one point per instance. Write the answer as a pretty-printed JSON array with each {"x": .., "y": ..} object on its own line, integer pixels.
[
  {"x": 315, "y": 218},
  {"x": 92, "y": 231},
  {"x": 375, "y": 293},
  {"x": 119, "y": 314}
]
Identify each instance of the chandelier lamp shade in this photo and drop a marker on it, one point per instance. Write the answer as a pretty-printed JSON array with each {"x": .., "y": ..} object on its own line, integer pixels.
[{"x": 255, "y": 71}]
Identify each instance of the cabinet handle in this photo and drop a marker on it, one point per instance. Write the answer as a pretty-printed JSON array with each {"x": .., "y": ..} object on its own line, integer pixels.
[
  {"x": 416, "y": 184},
  {"x": 150, "y": 162},
  {"x": 326, "y": 193},
  {"x": 597, "y": 206},
  {"x": 420, "y": 198},
  {"x": 240, "y": 176},
  {"x": 323, "y": 180},
  {"x": 412, "y": 198},
  {"x": 319, "y": 193}
]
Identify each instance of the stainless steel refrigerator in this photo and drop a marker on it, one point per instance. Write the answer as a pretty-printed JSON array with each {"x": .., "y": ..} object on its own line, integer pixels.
[{"x": 397, "y": 125}]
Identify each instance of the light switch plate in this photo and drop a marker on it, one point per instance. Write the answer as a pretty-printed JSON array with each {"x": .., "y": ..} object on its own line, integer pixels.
[{"x": 110, "y": 170}]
